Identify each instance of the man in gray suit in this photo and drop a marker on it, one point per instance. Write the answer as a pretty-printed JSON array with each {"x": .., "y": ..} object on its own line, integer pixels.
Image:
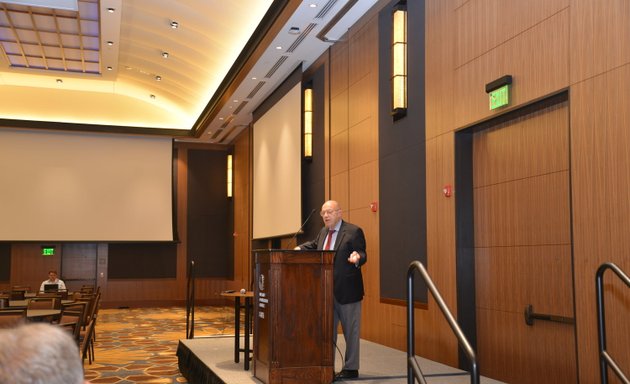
[{"x": 348, "y": 241}]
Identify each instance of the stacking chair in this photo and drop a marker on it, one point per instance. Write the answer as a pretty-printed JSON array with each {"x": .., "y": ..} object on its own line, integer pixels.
[
  {"x": 73, "y": 316},
  {"x": 71, "y": 327},
  {"x": 49, "y": 294},
  {"x": 91, "y": 319},
  {"x": 84, "y": 346},
  {"x": 87, "y": 289},
  {"x": 12, "y": 317},
  {"x": 44, "y": 303}
]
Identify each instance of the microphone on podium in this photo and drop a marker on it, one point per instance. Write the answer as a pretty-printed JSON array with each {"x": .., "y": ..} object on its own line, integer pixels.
[{"x": 294, "y": 237}]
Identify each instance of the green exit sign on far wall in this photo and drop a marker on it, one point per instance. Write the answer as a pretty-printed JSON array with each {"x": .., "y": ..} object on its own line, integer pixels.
[
  {"x": 48, "y": 250},
  {"x": 499, "y": 97}
]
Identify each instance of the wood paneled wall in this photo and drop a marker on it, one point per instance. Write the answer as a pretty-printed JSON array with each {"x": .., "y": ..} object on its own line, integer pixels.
[
  {"x": 353, "y": 181},
  {"x": 547, "y": 46}
]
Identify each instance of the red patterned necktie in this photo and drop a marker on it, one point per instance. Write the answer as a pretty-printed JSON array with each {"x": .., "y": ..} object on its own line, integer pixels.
[{"x": 329, "y": 239}]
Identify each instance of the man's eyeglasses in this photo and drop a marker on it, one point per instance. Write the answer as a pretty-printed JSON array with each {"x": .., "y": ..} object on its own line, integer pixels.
[{"x": 328, "y": 212}]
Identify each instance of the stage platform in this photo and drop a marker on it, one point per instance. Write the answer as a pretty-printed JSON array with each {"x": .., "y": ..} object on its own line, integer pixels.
[{"x": 211, "y": 360}]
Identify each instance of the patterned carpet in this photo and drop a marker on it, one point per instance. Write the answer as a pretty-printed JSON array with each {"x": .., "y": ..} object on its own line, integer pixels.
[{"x": 139, "y": 345}]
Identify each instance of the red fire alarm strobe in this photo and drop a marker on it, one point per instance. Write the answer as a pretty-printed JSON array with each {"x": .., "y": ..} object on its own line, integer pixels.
[{"x": 447, "y": 190}]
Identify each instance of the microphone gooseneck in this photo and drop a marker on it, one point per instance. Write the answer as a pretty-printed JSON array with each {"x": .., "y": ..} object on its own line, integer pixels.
[{"x": 294, "y": 237}]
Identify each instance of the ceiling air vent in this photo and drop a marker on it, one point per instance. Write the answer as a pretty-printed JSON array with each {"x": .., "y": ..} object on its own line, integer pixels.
[
  {"x": 216, "y": 134},
  {"x": 256, "y": 89},
  {"x": 277, "y": 65},
  {"x": 301, "y": 38},
  {"x": 240, "y": 106},
  {"x": 227, "y": 121},
  {"x": 321, "y": 14}
]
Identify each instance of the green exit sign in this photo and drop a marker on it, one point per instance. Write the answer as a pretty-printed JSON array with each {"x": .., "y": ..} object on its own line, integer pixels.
[
  {"x": 499, "y": 97},
  {"x": 48, "y": 251}
]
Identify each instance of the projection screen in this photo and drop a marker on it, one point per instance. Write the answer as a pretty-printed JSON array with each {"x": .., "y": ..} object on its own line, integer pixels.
[
  {"x": 60, "y": 186},
  {"x": 277, "y": 168}
]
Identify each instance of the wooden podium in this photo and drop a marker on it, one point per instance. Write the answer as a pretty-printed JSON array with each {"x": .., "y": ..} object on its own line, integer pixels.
[{"x": 293, "y": 316}]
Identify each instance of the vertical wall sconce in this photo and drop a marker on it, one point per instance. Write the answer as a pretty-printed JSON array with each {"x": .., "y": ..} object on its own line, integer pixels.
[
  {"x": 399, "y": 60},
  {"x": 308, "y": 123},
  {"x": 229, "y": 176}
]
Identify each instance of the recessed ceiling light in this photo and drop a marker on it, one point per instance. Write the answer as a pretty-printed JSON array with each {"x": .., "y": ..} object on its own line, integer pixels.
[
  {"x": 236, "y": 101},
  {"x": 220, "y": 118},
  {"x": 59, "y": 81},
  {"x": 158, "y": 78},
  {"x": 313, "y": 5},
  {"x": 152, "y": 96},
  {"x": 165, "y": 55},
  {"x": 294, "y": 31},
  {"x": 254, "y": 78},
  {"x": 174, "y": 24},
  {"x": 110, "y": 43},
  {"x": 278, "y": 47},
  {"x": 111, "y": 10},
  {"x": 109, "y": 68}
]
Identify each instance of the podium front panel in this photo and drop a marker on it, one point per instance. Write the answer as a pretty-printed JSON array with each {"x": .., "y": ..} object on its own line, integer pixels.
[{"x": 293, "y": 317}]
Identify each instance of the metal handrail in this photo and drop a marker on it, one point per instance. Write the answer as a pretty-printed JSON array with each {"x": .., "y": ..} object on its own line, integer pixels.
[
  {"x": 413, "y": 370},
  {"x": 605, "y": 359},
  {"x": 190, "y": 302}
]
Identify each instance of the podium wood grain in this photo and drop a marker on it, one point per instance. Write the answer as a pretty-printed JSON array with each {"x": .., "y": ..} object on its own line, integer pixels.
[{"x": 293, "y": 316}]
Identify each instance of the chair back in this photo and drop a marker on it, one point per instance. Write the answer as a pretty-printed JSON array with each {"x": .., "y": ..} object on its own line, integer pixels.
[
  {"x": 49, "y": 294},
  {"x": 11, "y": 317},
  {"x": 85, "y": 343},
  {"x": 17, "y": 295},
  {"x": 73, "y": 329},
  {"x": 76, "y": 311},
  {"x": 63, "y": 293},
  {"x": 87, "y": 289},
  {"x": 73, "y": 318},
  {"x": 44, "y": 303}
]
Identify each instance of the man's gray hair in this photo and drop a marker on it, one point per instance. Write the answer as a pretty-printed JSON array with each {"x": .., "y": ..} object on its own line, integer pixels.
[{"x": 39, "y": 354}]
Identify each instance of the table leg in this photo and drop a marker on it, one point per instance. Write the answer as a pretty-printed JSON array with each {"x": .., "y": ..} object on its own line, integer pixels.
[
  {"x": 248, "y": 304},
  {"x": 237, "y": 328}
]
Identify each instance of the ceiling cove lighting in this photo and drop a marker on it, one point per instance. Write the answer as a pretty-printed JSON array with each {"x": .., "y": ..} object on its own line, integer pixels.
[
  {"x": 399, "y": 60},
  {"x": 308, "y": 123},
  {"x": 229, "y": 175}
]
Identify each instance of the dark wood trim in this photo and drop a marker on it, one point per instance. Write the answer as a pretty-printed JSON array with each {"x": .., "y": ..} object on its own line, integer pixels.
[{"x": 97, "y": 128}]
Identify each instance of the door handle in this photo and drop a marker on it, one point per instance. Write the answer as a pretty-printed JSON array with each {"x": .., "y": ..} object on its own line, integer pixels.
[{"x": 530, "y": 316}]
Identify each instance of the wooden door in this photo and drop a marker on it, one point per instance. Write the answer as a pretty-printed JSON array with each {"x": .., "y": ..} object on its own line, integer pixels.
[
  {"x": 78, "y": 265},
  {"x": 522, "y": 237}
]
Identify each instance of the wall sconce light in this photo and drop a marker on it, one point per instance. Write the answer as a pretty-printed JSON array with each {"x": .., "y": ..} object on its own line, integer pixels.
[
  {"x": 399, "y": 60},
  {"x": 308, "y": 123},
  {"x": 229, "y": 175}
]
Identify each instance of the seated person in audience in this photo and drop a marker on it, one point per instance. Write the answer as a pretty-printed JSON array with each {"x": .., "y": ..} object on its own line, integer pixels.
[
  {"x": 39, "y": 354},
  {"x": 53, "y": 279}
]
